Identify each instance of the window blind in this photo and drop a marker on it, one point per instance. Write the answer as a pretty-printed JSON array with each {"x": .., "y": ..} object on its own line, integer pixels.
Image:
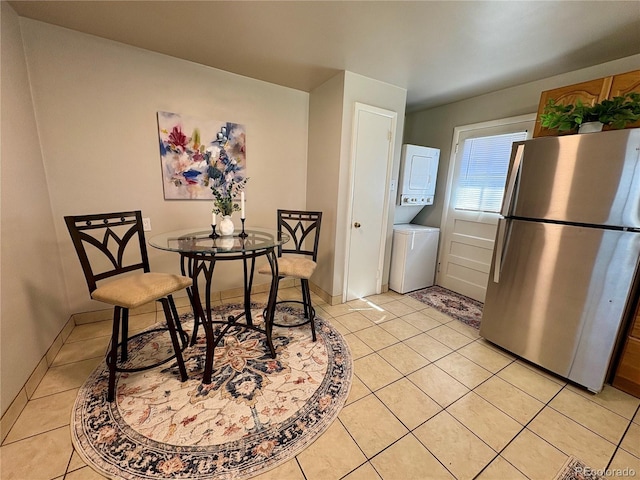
[{"x": 483, "y": 172}]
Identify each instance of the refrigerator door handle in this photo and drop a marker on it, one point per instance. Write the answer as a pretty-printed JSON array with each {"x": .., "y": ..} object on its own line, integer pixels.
[
  {"x": 511, "y": 181},
  {"x": 500, "y": 241}
]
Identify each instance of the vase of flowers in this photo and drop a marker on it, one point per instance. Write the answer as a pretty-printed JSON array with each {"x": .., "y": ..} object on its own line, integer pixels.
[
  {"x": 227, "y": 180},
  {"x": 226, "y": 226}
]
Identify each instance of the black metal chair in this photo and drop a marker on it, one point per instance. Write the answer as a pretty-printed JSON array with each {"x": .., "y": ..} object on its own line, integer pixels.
[
  {"x": 111, "y": 234},
  {"x": 301, "y": 255}
]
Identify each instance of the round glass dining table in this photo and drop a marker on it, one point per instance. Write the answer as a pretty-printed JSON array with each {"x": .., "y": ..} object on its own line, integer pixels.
[{"x": 199, "y": 251}]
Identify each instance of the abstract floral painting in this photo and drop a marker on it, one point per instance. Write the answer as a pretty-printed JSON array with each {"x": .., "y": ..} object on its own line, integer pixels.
[{"x": 196, "y": 154}]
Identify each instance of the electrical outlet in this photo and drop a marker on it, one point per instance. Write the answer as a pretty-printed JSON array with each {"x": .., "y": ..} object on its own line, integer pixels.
[{"x": 146, "y": 224}]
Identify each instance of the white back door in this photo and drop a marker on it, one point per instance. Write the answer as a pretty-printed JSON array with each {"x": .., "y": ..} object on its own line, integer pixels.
[{"x": 475, "y": 187}]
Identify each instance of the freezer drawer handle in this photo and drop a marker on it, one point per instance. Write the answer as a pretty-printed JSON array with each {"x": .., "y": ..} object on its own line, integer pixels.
[{"x": 511, "y": 182}]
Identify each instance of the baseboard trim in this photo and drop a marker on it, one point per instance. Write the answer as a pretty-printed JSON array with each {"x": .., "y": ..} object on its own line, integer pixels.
[{"x": 26, "y": 392}]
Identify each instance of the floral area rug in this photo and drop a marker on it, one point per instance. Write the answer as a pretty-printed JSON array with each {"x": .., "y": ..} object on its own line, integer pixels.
[
  {"x": 257, "y": 413},
  {"x": 575, "y": 469},
  {"x": 465, "y": 309}
]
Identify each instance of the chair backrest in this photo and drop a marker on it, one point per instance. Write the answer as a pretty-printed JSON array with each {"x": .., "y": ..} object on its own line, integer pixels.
[
  {"x": 304, "y": 229},
  {"x": 110, "y": 234}
]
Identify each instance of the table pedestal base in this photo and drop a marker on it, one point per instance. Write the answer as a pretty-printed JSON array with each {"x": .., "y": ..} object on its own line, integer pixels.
[{"x": 198, "y": 265}]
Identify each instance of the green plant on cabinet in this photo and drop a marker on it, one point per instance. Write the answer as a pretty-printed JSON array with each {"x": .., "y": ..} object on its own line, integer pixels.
[{"x": 617, "y": 112}]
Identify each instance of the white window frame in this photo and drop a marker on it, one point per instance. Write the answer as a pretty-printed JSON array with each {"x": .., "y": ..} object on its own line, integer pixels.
[{"x": 457, "y": 133}]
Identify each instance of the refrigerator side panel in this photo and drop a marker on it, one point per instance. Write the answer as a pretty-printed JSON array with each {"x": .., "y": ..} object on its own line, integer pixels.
[
  {"x": 552, "y": 289},
  {"x": 588, "y": 179}
]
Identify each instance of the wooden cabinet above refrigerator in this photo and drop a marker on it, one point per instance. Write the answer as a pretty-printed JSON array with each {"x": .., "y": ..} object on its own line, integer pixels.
[{"x": 589, "y": 93}]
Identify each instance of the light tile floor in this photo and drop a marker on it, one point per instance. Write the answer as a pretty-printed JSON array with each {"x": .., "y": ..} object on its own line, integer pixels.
[{"x": 430, "y": 399}]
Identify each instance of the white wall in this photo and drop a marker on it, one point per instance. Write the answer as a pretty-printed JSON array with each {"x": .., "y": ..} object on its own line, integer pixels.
[
  {"x": 32, "y": 293},
  {"x": 96, "y": 103},
  {"x": 332, "y": 106},
  {"x": 79, "y": 135},
  {"x": 331, "y": 111},
  {"x": 434, "y": 127},
  {"x": 325, "y": 130}
]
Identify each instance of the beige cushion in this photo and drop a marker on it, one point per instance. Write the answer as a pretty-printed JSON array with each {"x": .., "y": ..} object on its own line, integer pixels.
[
  {"x": 296, "y": 267},
  {"x": 135, "y": 290}
]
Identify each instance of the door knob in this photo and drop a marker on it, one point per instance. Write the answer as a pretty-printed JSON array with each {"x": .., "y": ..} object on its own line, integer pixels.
[{"x": 357, "y": 225}]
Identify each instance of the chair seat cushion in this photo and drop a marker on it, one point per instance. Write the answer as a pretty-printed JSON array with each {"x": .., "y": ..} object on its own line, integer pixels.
[
  {"x": 135, "y": 290},
  {"x": 296, "y": 267}
]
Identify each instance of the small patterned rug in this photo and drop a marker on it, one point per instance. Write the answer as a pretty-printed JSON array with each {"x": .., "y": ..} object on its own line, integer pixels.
[
  {"x": 575, "y": 469},
  {"x": 465, "y": 309},
  {"x": 257, "y": 413}
]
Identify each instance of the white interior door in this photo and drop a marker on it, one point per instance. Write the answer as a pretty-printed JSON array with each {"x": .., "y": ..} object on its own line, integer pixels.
[
  {"x": 371, "y": 162},
  {"x": 475, "y": 186}
]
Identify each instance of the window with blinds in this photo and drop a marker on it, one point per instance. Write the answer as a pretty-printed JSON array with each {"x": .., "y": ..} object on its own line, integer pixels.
[{"x": 483, "y": 173}]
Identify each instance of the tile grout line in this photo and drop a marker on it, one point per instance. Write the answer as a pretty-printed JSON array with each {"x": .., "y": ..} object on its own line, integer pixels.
[
  {"x": 443, "y": 409},
  {"x": 493, "y": 374},
  {"x": 547, "y": 404},
  {"x": 619, "y": 445},
  {"x": 467, "y": 428},
  {"x": 405, "y": 376},
  {"x": 524, "y": 427},
  {"x": 373, "y": 392}
]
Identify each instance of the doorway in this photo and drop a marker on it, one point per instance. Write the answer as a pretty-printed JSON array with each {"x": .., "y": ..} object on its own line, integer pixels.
[
  {"x": 371, "y": 162},
  {"x": 475, "y": 186}
]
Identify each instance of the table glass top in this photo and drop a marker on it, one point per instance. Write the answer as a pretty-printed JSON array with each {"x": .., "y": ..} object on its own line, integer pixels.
[{"x": 194, "y": 240}]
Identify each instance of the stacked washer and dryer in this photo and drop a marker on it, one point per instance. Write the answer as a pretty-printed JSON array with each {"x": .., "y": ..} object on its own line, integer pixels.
[{"x": 414, "y": 250}]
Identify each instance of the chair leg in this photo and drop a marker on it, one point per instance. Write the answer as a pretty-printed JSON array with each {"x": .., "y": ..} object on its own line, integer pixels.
[
  {"x": 112, "y": 357},
  {"x": 183, "y": 335},
  {"x": 303, "y": 286},
  {"x": 124, "y": 354},
  {"x": 309, "y": 311},
  {"x": 269, "y": 314},
  {"x": 168, "y": 314}
]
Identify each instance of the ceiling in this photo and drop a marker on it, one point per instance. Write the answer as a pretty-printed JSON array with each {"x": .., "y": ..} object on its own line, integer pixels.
[{"x": 440, "y": 51}]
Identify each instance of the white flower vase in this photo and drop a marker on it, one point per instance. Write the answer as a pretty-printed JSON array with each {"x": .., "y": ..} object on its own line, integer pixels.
[{"x": 226, "y": 226}]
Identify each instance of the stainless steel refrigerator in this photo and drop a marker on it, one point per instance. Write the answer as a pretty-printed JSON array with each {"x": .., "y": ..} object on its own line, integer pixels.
[{"x": 566, "y": 252}]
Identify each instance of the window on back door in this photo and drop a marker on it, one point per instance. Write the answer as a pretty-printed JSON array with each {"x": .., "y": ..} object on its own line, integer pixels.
[{"x": 483, "y": 172}]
